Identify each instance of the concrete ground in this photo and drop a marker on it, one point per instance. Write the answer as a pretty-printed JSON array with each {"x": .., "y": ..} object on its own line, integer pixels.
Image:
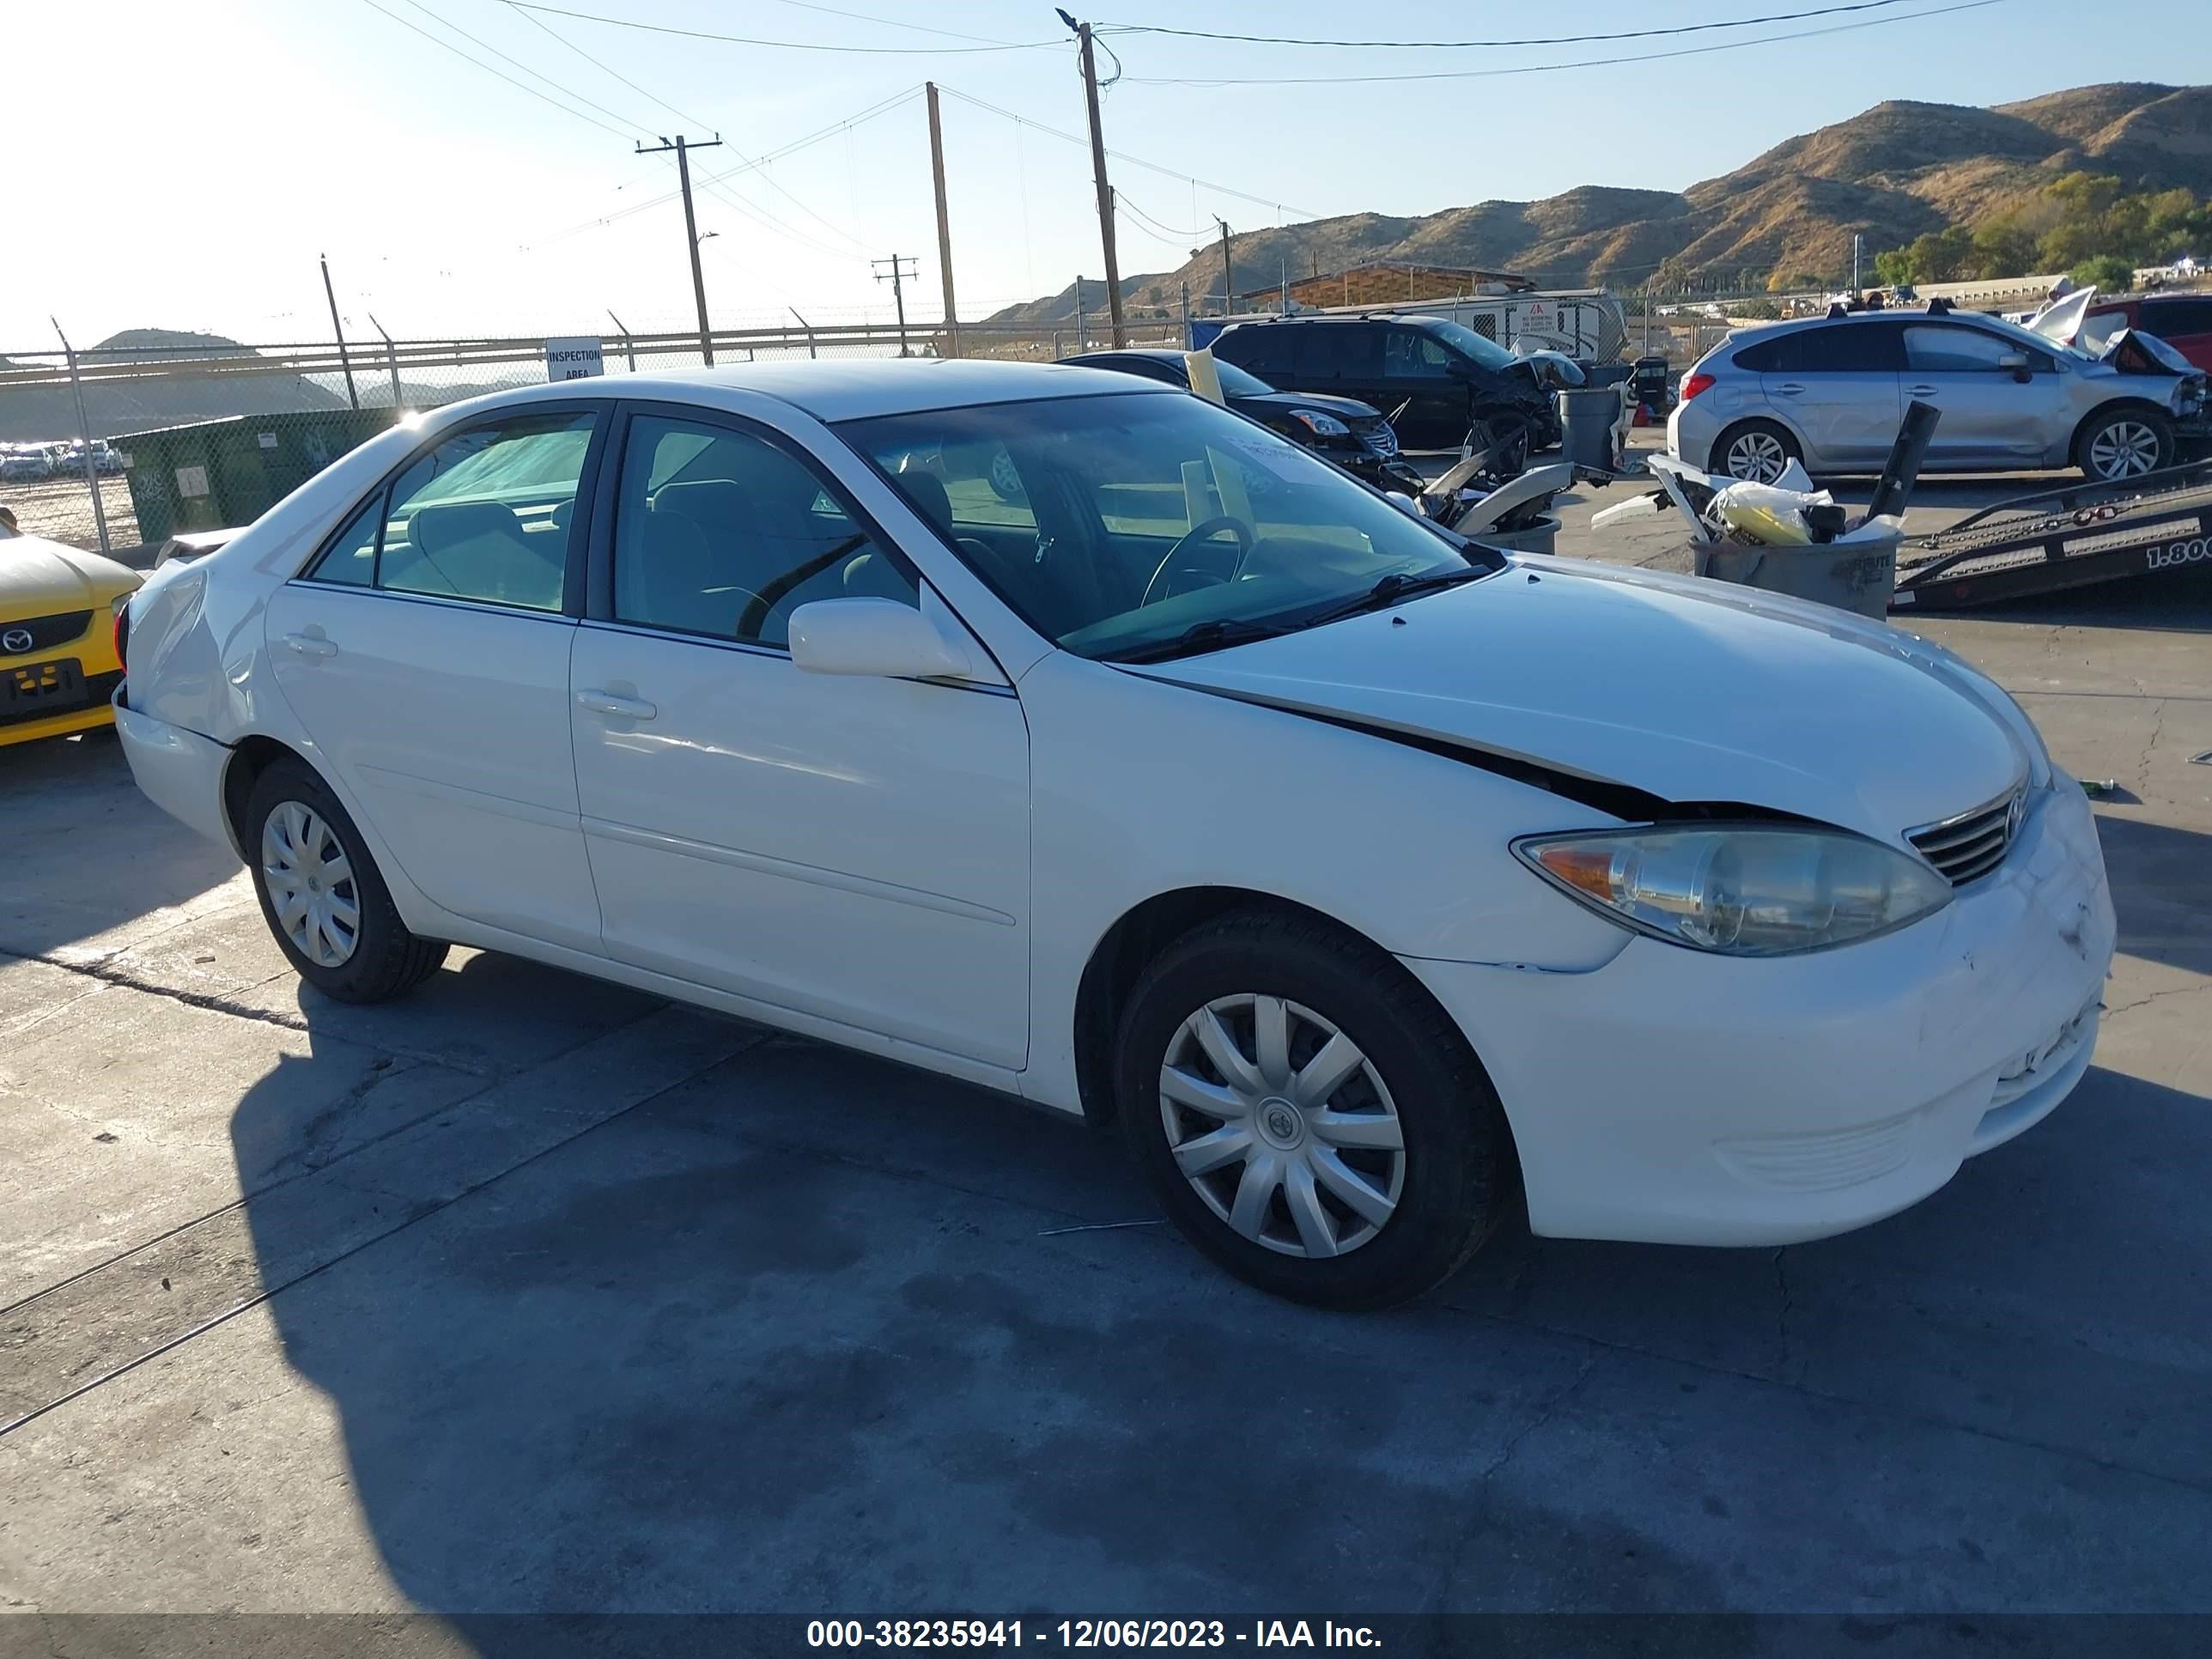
[{"x": 528, "y": 1293}]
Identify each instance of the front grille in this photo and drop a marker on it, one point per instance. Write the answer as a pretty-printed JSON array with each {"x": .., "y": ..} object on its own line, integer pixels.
[
  {"x": 1376, "y": 436},
  {"x": 45, "y": 632},
  {"x": 1968, "y": 847}
]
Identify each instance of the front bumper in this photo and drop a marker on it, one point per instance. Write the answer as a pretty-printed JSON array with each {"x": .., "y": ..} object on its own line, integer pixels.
[
  {"x": 179, "y": 771},
  {"x": 1675, "y": 1097}
]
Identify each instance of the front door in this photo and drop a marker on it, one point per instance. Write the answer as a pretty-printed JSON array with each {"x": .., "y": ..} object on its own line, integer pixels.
[
  {"x": 1991, "y": 416},
  {"x": 1418, "y": 366},
  {"x": 850, "y": 848},
  {"x": 426, "y": 654}
]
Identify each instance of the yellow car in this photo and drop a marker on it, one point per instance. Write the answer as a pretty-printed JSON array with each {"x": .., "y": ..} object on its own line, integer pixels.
[{"x": 58, "y": 662}]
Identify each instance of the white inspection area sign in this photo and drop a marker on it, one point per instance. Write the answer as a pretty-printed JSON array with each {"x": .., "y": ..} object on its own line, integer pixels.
[{"x": 574, "y": 357}]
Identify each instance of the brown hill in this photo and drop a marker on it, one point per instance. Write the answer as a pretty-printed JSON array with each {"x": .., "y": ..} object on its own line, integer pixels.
[{"x": 1893, "y": 173}]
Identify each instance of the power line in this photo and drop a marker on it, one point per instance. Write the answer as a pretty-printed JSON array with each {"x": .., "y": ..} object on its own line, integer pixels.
[
  {"x": 787, "y": 45},
  {"x": 539, "y": 23},
  {"x": 1145, "y": 221},
  {"x": 1151, "y": 166},
  {"x": 694, "y": 120},
  {"x": 896, "y": 23},
  {"x": 1543, "y": 69},
  {"x": 568, "y": 91},
  {"x": 1533, "y": 40},
  {"x": 519, "y": 85}
]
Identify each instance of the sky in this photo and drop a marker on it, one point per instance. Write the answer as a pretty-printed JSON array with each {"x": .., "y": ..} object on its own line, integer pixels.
[{"x": 183, "y": 163}]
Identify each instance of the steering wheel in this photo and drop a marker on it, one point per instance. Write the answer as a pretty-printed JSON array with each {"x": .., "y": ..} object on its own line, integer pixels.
[{"x": 1199, "y": 533}]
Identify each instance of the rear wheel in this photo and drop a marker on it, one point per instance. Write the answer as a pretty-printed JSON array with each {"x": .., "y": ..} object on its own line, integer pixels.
[
  {"x": 1308, "y": 1116},
  {"x": 2118, "y": 444},
  {"x": 1756, "y": 451},
  {"x": 322, "y": 894}
]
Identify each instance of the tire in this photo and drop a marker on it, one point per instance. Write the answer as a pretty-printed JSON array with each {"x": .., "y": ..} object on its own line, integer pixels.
[
  {"x": 295, "y": 824},
  {"x": 1755, "y": 450},
  {"x": 1004, "y": 478},
  {"x": 2115, "y": 445},
  {"x": 1453, "y": 1173}
]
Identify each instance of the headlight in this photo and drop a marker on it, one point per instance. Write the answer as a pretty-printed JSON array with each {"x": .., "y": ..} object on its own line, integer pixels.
[
  {"x": 1320, "y": 425},
  {"x": 1741, "y": 891}
]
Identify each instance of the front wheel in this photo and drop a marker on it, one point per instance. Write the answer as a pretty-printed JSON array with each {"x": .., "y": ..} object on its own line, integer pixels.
[
  {"x": 322, "y": 894},
  {"x": 1308, "y": 1118},
  {"x": 2117, "y": 445}
]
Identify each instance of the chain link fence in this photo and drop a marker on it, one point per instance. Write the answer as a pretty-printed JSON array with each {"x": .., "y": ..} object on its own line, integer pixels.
[{"x": 90, "y": 444}]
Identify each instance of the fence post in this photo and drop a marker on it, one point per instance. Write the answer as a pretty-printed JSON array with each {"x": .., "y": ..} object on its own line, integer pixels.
[
  {"x": 391, "y": 360},
  {"x": 809, "y": 327},
  {"x": 84, "y": 435},
  {"x": 1055, "y": 345},
  {"x": 629, "y": 346}
]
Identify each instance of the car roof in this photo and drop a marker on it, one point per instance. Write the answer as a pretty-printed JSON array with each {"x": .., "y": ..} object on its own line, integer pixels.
[
  {"x": 857, "y": 388},
  {"x": 1156, "y": 354}
]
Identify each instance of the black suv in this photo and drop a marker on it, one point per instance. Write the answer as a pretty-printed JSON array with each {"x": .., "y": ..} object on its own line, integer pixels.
[
  {"x": 1441, "y": 383},
  {"x": 1353, "y": 435}
]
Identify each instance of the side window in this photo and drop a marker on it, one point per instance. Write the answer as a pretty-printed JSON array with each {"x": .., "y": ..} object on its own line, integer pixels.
[
  {"x": 351, "y": 556},
  {"x": 483, "y": 516},
  {"x": 722, "y": 534},
  {"x": 1774, "y": 356},
  {"x": 1330, "y": 352},
  {"x": 1265, "y": 351},
  {"x": 1934, "y": 349},
  {"x": 2178, "y": 317},
  {"x": 1847, "y": 349},
  {"x": 1409, "y": 353}
]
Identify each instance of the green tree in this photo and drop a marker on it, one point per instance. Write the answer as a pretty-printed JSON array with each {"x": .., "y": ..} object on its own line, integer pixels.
[
  {"x": 2106, "y": 272},
  {"x": 1895, "y": 265}
]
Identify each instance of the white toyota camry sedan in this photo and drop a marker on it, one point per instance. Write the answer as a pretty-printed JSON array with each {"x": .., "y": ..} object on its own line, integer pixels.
[{"x": 1080, "y": 739}]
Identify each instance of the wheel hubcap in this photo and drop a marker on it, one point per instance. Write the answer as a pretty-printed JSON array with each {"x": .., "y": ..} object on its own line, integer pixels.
[
  {"x": 1757, "y": 457},
  {"x": 2125, "y": 449},
  {"x": 311, "y": 884},
  {"x": 1282, "y": 1125}
]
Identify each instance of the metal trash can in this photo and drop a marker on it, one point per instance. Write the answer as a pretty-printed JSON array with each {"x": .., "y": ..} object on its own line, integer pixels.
[
  {"x": 1858, "y": 574},
  {"x": 1587, "y": 417}
]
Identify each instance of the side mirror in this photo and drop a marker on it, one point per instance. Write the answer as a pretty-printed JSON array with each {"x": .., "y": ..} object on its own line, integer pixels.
[
  {"x": 2015, "y": 364},
  {"x": 880, "y": 637}
]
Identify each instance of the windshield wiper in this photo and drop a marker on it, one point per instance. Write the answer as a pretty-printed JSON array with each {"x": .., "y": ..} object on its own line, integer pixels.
[
  {"x": 1212, "y": 635},
  {"x": 1391, "y": 588}
]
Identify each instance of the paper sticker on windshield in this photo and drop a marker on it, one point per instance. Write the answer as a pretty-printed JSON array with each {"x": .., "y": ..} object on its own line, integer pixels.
[{"x": 1273, "y": 458}]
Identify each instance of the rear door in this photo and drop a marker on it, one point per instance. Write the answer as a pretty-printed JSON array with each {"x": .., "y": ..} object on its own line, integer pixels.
[
  {"x": 1417, "y": 368},
  {"x": 1991, "y": 417},
  {"x": 1837, "y": 385},
  {"x": 425, "y": 651},
  {"x": 1342, "y": 358}
]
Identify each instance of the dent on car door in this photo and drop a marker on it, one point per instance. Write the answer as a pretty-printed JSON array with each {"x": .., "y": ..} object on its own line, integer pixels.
[
  {"x": 1992, "y": 413},
  {"x": 1837, "y": 387},
  {"x": 425, "y": 651},
  {"x": 847, "y": 847}
]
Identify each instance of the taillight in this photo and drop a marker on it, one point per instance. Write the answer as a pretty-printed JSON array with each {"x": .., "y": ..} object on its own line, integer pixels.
[
  {"x": 122, "y": 634},
  {"x": 1693, "y": 384}
]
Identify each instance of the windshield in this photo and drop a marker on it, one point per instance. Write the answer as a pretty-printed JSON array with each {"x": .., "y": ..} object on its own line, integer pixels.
[
  {"x": 1238, "y": 383},
  {"x": 1488, "y": 353},
  {"x": 1116, "y": 524}
]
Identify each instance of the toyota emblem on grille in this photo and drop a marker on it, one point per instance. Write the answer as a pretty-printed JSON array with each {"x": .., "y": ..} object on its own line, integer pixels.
[{"x": 16, "y": 641}]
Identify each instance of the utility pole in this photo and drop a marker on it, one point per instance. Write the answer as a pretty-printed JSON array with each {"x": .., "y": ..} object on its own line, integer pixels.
[
  {"x": 944, "y": 221},
  {"x": 1098, "y": 176},
  {"x": 896, "y": 276},
  {"x": 1082, "y": 323},
  {"x": 1857, "y": 242},
  {"x": 344, "y": 361},
  {"x": 690, "y": 229},
  {"x": 1228, "y": 282}
]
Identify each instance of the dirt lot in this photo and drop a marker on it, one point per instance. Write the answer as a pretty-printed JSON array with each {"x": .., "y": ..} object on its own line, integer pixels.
[
  {"x": 529, "y": 1294},
  {"x": 61, "y": 510}
]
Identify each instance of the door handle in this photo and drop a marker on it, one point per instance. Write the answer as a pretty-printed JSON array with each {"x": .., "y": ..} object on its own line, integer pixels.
[
  {"x": 310, "y": 645},
  {"x": 1921, "y": 390},
  {"x": 605, "y": 703},
  {"x": 1790, "y": 388}
]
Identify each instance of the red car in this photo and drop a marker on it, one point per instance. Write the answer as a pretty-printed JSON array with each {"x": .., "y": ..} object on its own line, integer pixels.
[{"x": 2183, "y": 321}]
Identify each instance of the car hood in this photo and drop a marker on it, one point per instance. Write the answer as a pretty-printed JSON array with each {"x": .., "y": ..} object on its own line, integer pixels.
[
  {"x": 1282, "y": 403},
  {"x": 1626, "y": 677},
  {"x": 38, "y": 576}
]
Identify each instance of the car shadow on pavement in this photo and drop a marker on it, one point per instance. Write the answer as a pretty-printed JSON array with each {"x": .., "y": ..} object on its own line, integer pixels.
[
  {"x": 2159, "y": 892},
  {"x": 71, "y": 807},
  {"x": 809, "y": 1332}
]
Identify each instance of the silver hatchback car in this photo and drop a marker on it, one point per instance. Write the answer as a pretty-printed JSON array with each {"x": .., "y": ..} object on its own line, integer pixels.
[{"x": 1832, "y": 391}]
